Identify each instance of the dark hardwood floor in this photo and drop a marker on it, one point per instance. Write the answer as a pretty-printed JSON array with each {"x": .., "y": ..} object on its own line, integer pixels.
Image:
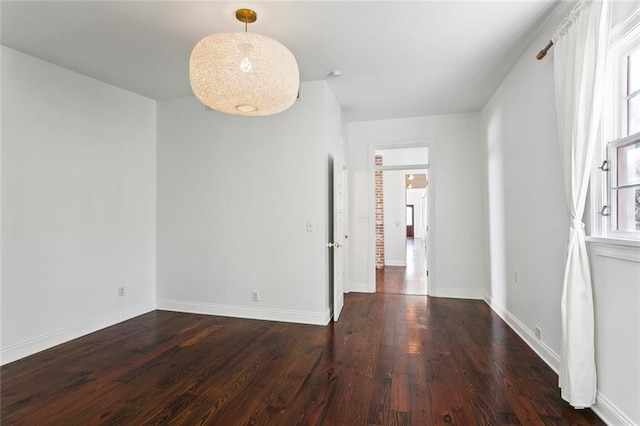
[{"x": 391, "y": 359}]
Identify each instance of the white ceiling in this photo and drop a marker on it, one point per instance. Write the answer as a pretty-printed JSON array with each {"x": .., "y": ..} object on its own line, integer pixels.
[{"x": 397, "y": 58}]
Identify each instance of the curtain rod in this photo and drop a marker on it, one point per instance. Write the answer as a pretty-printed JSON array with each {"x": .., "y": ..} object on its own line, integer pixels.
[
  {"x": 541, "y": 54},
  {"x": 566, "y": 23}
]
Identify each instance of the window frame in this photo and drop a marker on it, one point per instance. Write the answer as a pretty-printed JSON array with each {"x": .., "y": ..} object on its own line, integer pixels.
[
  {"x": 613, "y": 185},
  {"x": 624, "y": 40},
  {"x": 633, "y": 95}
]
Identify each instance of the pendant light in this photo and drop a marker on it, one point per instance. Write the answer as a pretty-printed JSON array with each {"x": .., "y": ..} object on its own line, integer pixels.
[{"x": 243, "y": 73}]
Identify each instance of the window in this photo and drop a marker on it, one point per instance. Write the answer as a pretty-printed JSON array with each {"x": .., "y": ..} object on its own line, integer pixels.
[
  {"x": 632, "y": 95},
  {"x": 624, "y": 183},
  {"x": 616, "y": 185}
]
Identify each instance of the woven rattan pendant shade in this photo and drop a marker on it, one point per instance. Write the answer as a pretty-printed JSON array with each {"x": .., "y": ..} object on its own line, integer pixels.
[{"x": 244, "y": 74}]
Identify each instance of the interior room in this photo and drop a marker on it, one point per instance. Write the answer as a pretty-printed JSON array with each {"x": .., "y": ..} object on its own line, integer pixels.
[{"x": 138, "y": 215}]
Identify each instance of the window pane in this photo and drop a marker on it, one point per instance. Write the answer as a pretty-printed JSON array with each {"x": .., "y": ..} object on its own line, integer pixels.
[
  {"x": 628, "y": 158},
  {"x": 633, "y": 70},
  {"x": 633, "y": 115},
  {"x": 628, "y": 209}
]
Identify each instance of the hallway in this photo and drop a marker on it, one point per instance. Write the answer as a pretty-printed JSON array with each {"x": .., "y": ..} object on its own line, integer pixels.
[{"x": 411, "y": 279}]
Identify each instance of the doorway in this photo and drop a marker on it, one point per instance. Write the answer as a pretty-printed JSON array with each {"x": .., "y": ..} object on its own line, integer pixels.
[
  {"x": 401, "y": 211},
  {"x": 410, "y": 221}
]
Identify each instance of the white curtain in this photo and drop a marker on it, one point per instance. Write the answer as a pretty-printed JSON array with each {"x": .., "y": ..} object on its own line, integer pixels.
[{"x": 580, "y": 47}]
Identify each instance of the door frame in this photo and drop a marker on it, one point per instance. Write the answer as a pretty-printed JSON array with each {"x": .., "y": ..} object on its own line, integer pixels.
[{"x": 374, "y": 146}]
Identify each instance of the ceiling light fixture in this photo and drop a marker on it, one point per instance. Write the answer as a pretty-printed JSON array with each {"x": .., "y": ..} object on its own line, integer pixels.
[{"x": 243, "y": 73}]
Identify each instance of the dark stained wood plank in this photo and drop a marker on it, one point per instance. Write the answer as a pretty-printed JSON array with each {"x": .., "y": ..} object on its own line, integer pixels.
[
  {"x": 419, "y": 401},
  {"x": 399, "y": 392},
  {"x": 390, "y": 360}
]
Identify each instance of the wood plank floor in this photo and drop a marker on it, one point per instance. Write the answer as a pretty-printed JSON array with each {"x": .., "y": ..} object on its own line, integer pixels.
[{"x": 390, "y": 360}]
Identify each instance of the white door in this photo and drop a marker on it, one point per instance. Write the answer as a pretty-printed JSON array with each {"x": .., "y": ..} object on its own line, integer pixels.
[{"x": 338, "y": 238}]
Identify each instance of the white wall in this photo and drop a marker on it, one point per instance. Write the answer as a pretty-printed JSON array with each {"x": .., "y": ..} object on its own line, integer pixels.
[
  {"x": 395, "y": 230},
  {"x": 78, "y": 205},
  {"x": 617, "y": 302},
  {"x": 528, "y": 227},
  {"x": 216, "y": 242},
  {"x": 404, "y": 156},
  {"x": 527, "y": 214},
  {"x": 455, "y": 145}
]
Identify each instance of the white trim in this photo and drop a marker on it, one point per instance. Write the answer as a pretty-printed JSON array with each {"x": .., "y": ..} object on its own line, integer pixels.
[
  {"x": 431, "y": 231},
  {"x": 267, "y": 314},
  {"x": 359, "y": 288},
  {"x": 395, "y": 263},
  {"x": 625, "y": 28},
  {"x": 613, "y": 184},
  {"x": 622, "y": 40},
  {"x": 457, "y": 293},
  {"x": 539, "y": 347},
  {"x": 401, "y": 167},
  {"x": 629, "y": 252},
  {"x": 623, "y": 242},
  {"x": 609, "y": 413},
  {"x": 340, "y": 303},
  {"x": 30, "y": 347}
]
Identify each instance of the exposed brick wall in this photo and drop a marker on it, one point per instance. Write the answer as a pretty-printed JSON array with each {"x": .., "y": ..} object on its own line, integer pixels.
[{"x": 379, "y": 211}]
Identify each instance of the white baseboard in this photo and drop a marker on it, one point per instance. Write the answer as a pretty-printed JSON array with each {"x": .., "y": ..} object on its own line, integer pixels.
[
  {"x": 341, "y": 300},
  {"x": 359, "y": 288},
  {"x": 268, "y": 314},
  {"x": 30, "y": 347},
  {"x": 457, "y": 293},
  {"x": 539, "y": 347},
  {"x": 395, "y": 262},
  {"x": 609, "y": 413},
  {"x": 604, "y": 408}
]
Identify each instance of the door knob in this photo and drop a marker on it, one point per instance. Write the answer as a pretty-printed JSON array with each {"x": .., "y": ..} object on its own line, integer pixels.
[{"x": 334, "y": 245}]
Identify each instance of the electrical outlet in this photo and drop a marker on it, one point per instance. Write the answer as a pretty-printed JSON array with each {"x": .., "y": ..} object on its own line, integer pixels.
[
  {"x": 120, "y": 291},
  {"x": 538, "y": 332},
  {"x": 255, "y": 296},
  {"x": 311, "y": 226}
]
